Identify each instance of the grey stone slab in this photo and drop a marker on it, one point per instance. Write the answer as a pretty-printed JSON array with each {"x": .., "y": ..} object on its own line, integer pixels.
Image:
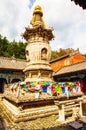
[{"x": 76, "y": 125}]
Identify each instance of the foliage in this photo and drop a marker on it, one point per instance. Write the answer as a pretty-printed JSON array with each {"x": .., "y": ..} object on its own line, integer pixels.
[
  {"x": 84, "y": 55},
  {"x": 61, "y": 52},
  {"x": 8, "y": 49}
]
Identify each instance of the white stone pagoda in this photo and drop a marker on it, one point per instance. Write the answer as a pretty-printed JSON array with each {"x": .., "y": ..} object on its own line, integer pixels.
[{"x": 38, "y": 50}]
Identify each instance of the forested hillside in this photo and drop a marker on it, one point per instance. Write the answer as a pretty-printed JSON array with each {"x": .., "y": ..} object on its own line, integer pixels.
[{"x": 8, "y": 49}]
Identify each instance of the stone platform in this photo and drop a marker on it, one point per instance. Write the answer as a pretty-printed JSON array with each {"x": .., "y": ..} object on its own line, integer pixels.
[
  {"x": 26, "y": 108},
  {"x": 40, "y": 114}
]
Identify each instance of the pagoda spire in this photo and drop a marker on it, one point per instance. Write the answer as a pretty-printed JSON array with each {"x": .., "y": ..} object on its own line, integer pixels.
[
  {"x": 38, "y": 29},
  {"x": 37, "y": 19}
]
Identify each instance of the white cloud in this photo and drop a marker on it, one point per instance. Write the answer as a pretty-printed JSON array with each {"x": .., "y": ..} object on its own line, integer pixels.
[
  {"x": 67, "y": 19},
  {"x": 14, "y": 16}
]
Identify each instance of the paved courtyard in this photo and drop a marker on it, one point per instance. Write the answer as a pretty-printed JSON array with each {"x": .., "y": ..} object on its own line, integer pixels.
[{"x": 46, "y": 123}]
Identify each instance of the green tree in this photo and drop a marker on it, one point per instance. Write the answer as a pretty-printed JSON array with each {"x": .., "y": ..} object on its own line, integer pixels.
[
  {"x": 3, "y": 46},
  {"x": 54, "y": 55},
  {"x": 9, "y": 49},
  {"x": 60, "y": 52}
]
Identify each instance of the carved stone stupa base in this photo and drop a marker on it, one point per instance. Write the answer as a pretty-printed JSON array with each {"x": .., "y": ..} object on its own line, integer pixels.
[{"x": 23, "y": 110}]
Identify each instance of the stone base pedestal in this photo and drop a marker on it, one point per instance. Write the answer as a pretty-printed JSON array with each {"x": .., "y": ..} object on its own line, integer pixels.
[{"x": 19, "y": 111}]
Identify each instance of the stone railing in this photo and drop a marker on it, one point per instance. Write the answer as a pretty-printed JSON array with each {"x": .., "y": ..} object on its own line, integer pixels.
[{"x": 72, "y": 107}]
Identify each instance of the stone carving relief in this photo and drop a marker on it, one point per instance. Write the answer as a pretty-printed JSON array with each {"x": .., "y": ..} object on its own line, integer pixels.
[
  {"x": 44, "y": 54},
  {"x": 27, "y": 55}
]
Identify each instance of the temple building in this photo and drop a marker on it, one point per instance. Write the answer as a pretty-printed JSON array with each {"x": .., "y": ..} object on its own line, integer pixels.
[
  {"x": 11, "y": 70},
  {"x": 70, "y": 68},
  {"x": 73, "y": 73},
  {"x": 69, "y": 59}
]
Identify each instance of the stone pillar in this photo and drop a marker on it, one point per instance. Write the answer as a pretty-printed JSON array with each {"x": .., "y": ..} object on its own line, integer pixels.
[
  {"x": 61, "y": 113},
  {"x": 81, "y": 114}
]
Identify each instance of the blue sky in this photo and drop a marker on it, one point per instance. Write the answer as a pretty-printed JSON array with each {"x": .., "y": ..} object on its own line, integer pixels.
[
  {"x": 31, "y": 3},
  {"x": 67, "y": 19}
]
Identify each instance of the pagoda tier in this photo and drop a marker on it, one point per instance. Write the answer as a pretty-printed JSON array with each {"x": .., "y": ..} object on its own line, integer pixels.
[{"x": 39, "y": 32}]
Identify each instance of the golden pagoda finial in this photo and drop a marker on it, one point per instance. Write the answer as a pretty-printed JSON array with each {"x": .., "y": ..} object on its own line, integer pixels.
[
  {"x": 37, "y": 20},
  {"x": 38, "y": 9}
]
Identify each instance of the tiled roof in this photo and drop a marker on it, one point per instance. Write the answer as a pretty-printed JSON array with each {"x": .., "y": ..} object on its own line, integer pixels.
[
  {"x": 81, "y": 66},
  {"x": 12, "y": 63},
  {"x": 65, "y": 56},
  {"x": 60, "y": 58}
]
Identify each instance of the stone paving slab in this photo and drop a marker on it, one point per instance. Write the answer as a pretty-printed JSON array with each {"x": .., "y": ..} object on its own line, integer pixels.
[{"x": 76, "y": 125}]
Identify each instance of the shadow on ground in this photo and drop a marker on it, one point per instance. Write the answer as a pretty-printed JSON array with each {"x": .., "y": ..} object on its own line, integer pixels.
[
  {"x": 2, "y": 124},
  {"x": 65, "y": 127}
]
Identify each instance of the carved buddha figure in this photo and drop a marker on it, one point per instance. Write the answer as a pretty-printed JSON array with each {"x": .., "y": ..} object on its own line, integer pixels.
[
  {"x": 27, "y": 55},
  {"x": 44, "y": 54}
]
